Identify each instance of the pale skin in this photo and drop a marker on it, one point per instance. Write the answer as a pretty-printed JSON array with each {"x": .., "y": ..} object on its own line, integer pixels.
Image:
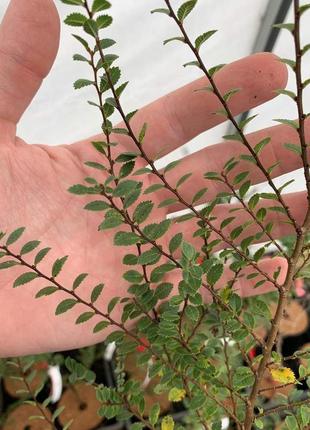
[{"x": 34, "y": 179}]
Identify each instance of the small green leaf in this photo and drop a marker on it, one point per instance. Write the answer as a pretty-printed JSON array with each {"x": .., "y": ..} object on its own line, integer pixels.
[
  {"x": 82, "y": 190},
  {"x": 243, "y": 122},
  {"x": 269, "y": 196},
  {"x": 199, "y": 195},
  {"x": 97, "y": 205},
  {"x": 289, "y": 62},
  {"x": 132, "y": 198},
  {"x": 46, "y": 291},
  {"x": 130, "y": 259},
  {"x": 100, "y": 326},
  {"x": 65, "y": 306},
  {"x": 86, "y": 316},
  {"x": 288, "y": 93},
  {"x": 286, "y": 26},
  {"x": 104, "y": 21},
  {"x": 149, "y": 257},
  {"x": 125, "y": 187},
  {"x": 236, "y": 232},
  {"x": 123, "y": 238},
  {"x": 261, "y": 145},
  {"x": 213, "y": 176},
  {"x": 105, "y": 44},
  {"x": 14, "y": 236},
  {"x": 240, "y": 177},
  {"x": 175, "y": 242},
  {"x": 253, "y": 201},
  {"x": 259, "y": 253},
  {"x": 154, "y": 414},
  {"x": 81, "y": 83},
  {"x": 304, "y": 8},
  {"x": 142, "y": 133},
  {"x": 167, "y": 202},
  {"x": 30, "y": 246},
  {"x": 99, "y": 146},
  {"x": 133, "y": 276},
  {"x": 188, "y": 251},
  {"x": 185, "y": 9},
  {"x": 78, "y": 57},
  {"x": 126, "y": 169},
  {"x": 119, "y": 90},
  {"x": 112, "y": 304},
  {"x": 91, "y": 27},
  {"x": 159, "y": 272},
  {"x": 156, "y": 231},
  {"x": 82, "y": 41},
  {"x": 305, "y": 414},
  {"x": 227, "y": 96},
  {"x": 57, "y": 412},
  {"x": 171, "y": 165},
  {"x": 172, "y": 39},
  {"x": 25, "y": 278},
  {"x": 78, "y": 280},
  {"x": 261, "y": 308},
  {"x": 73, "y": 2},
  {"x": 130, "y": 115},
  {"x": 99, "y": 5},
  {"x": 248, "y": 158},
  {"x": 226, "y": 221},
  {"x": 293, "y": 147},
  {"x": 142, "y": 211},
  {"x": 161, "y": 10},
  {"x": 215, "y": 273},
  {"x": 113, "y": 102},
  {"x": 280, "y": 189},
  {"x": 244, "y": 188},
  {"x": 96, "y": 292},
  {"x": 243, "y": 377},
  {"x": 58, "y": 266},
  {"x": 163, "y": 290},
  {"x": 75, "y": 19},
  {"x": 203, "y": 38},
  {"x": 183, "y": 179},
  {"x": 113, "y": 76},
  {"x": 289, "y": 122},
  {"x": 126, "y": 156},
  {"x": 110, "y": 222},
  {"x": 8, "y": 264},
  {"x": 291, "y": 423},
  {"x": 277, "y": 209},
  {"x": 95, "y": 165},
  {"x": 215, "y": 69},
  {"x": 153, "y": 188},
  {"x": 235, "y": 136},
  {"x": 261, "y": 214},
  {"x": 192, "y": 63}
]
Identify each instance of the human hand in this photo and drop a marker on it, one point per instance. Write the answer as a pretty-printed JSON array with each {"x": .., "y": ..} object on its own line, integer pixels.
[{"x": 34, "y": 179}]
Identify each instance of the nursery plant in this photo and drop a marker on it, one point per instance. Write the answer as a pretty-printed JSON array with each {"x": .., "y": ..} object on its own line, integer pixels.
[{"x": 187, "y": 292}]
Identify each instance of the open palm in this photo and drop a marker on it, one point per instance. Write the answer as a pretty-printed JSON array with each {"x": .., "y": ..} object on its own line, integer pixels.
[{"x": 34, "y": 179}]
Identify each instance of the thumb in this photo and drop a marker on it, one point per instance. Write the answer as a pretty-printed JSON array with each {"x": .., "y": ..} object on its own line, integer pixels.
[{"x": 29, "y": 40}]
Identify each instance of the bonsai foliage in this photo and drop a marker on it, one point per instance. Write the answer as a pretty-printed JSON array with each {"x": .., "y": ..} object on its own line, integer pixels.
[{"x": 195, "y": 334}]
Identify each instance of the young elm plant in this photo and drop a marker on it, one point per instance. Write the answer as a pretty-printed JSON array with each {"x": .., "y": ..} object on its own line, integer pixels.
[{"x": 195, "y": 334}]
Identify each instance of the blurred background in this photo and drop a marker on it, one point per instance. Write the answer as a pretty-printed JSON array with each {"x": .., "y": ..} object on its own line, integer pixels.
[{"x": 59, "y": 114}]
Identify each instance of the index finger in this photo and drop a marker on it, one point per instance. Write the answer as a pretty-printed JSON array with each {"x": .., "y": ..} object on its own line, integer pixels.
[{"x": 181, "y": 115}]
